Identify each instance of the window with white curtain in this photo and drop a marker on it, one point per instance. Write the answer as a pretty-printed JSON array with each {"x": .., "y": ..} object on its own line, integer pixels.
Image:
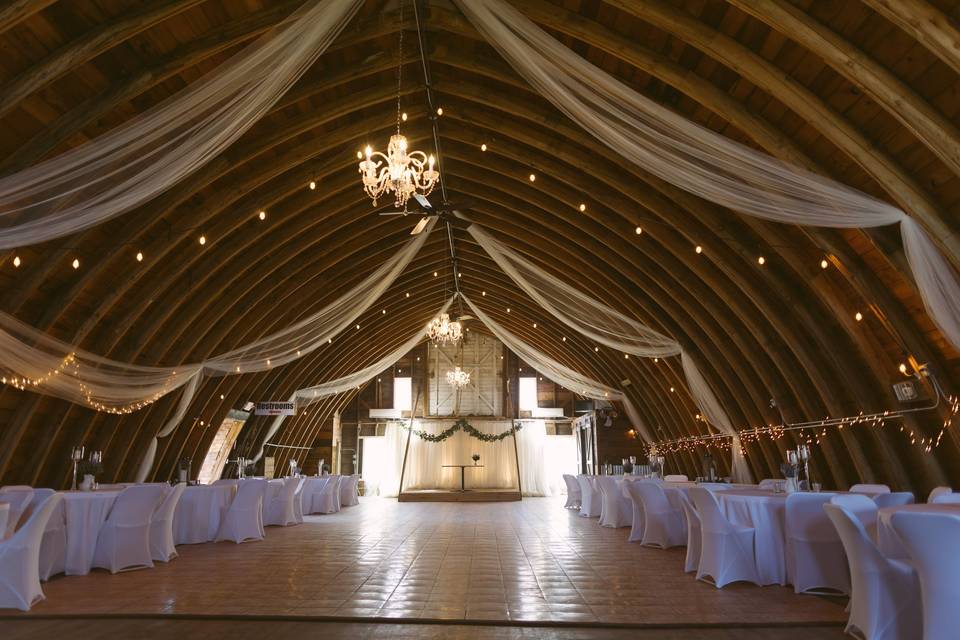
[
  {"x": 403, "y": 394},
  {"x": 528, "y": 394}
]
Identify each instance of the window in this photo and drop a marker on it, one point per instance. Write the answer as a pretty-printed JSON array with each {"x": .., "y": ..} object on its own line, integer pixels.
[
  {"x": 219, "y": 450},
  {"x": 403, "y": 394},
  {"x": 528, "y": 394}
]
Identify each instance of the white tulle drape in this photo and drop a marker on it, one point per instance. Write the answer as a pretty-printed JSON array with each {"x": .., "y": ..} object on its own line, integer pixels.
[
  {"x": 701, "y": 161},
  {"x": 140, "y": 159},
  {"x": 309, "y": 395},
  {"x": 544, "y": 459},
  {"x": 608, "y": 326},
  {"x": 576, "y": 382}
]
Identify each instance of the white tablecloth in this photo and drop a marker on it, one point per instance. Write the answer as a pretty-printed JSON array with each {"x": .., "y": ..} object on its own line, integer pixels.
[
  {"x": 199, "y": 512},
  {"x": 766, "y": 512},
  {"x": 887, "y": 538},
  {"x": 86, "y": 512}
]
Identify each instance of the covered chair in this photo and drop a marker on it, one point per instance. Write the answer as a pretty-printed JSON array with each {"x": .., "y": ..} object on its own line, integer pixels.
[
  {"x": 727, "y": 550},
  {"x": 162, "y": 547},
  {"x": 244, "y": 519},
  {"x": 348, "y": 491},
  {"x": 678, "y": 477},
  {"x": 617, "y": 508},
  {"x": 870, "y": 488},
  {"x": 816, "y": 561},
  {"x": 18, "y": 497},
  {"x": 20, "y": 559},
  {"x": 124, "y": 540},
  {"x": 298, "y": 500},
  {"x": 636, "y": 520},
  {"x": 897, "y": 499},
  {"x": 590, "y": 500},
  {"x": 573, "y": 492},
  {"x": 326, "y": 499},
  {"x": 280, "y": 510},
  {"x": 863, "y": 508},
  {"x": 312, "y": 487},
  {"x": 947, "y": 498},
  {"x": 663, "y": 524},
  {"x": 885, "y": 599},
  {"x": 692, "y": 560},
  {"x": 933, "y": 542},
  {"x": 53, "y": 549},
  {"x": 936, "y": 492}
]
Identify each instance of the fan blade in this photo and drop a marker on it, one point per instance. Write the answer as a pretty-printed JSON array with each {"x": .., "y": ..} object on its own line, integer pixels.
[
  {"x": 466, "y": 317},
  {"x": 423, "y": 202},
  {"x": 393, "y": 213},
  {"x": 420, "y": 226}
]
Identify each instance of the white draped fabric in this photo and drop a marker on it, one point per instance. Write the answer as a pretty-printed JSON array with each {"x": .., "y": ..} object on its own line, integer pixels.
[
  {"x": 701, "y": 161},
  {"x": 309, "y": 395},
  {"x": 140, "y": 159},
  {"x": 611, "y": 328},
  {"x": 544, "y": 459}
]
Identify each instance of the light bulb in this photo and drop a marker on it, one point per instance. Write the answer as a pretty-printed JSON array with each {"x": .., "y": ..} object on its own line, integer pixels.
[
  {"x": 638, "y": 230},
  {"x": 459, "y": 275},
  {"x": 358, "y": 327},
  {"x": 508, "y": 309},
  {"x": 407, "y": 294},
  {"x": 434, "y": 274},
  {"x": 761, "y": 260},
  {"x": 139, "y": 257},
  {"x": 824, "y": 264},
  {"x": 368, "y": 151},
  {"x": 439, "y": 111},
  {"x": 430, "y": 161},
  {"x": 564, "y": 338},
  {"x": 222, "y": 396},
  {"x": 483, "y": 147},
  {"x": 671, "y": 389},
  {"x": 263, "y": 215},
  {"x": 626, "y": 356},
  {"x": 76, "y": 263},
  {"x": 596, "y": 349},
  {"x": 383, "y": 311},
  {"x": 359, "y": 155},
  {"x": 859, "y": 316},
  {"x": 203, "y": 240},
  {"x": 903, "y": 368},
  {"x": 313, "y": 185},
  {"x": 483, "y": 293},
  {"x": 533, "y": 177},
  {"x": 534, "y": 325},
  {"x": 403, "y": 116},
  {"x": 699, "y": 249},
  {"x": 583, "y": 207},
  {"x": 16, "y": 261}
]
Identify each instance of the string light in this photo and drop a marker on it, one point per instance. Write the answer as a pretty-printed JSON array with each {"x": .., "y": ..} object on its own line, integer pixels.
[
  {"x": 76, "y": 263},
  {"x": 903, "y": 368},
  {"x": 483, "y": 293},
  {"x": 139, "y": 256},
  {"x": 313, "y": 185},
  {"x": 16, "y": 261},
  {"x": 439, "y": 111},
  {"x": 824, "y": 264},
  {"x": 263, "y": 214},
  {"x": 583, "y": 207},
  {"x": 483, "y": 147},
  {"x": 203, "y": 240},
  {"x": 434, "y": 274},
  {"x": 761, "y": 260},
  {"x": 533, "y": 177},
  {"x": 407, "y": 294},
  {"x": 699, "y": 249},
  {"x": 403, "y": 116},
  {"x": 858, "y": 317},
  {"x": 638, "y": 231}
]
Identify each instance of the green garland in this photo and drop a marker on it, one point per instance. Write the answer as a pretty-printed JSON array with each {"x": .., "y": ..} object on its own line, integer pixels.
[{"x": 467, "y": 428}]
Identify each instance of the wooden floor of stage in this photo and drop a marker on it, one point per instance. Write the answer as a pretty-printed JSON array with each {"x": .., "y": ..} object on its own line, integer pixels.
[{"x": 470, "y": 495}]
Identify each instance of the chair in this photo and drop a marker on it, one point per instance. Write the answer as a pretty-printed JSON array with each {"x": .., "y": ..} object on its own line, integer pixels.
[
  {"x": 348, "y": 491},
  {"x": 933, "y": 542},
  {"x": 862, "y": 507},
  {"x": 324, "y": 499},
  {"x": 947, "y": 498},
  {"x": 124, "y": 540},
  {"x": 692, "y": 560},
  {"x": 884, "y": 602},
  {"x": 636, "y": 521},
  {"x": 162, "y": 547},
  {"x": 616, "y": 507},
  {"x": 53, "y": 548},
  {"x": 675, "y": 478},
  {"x": 870, "y": 488},
  {"x": 243, "y": 521},
  {"x": 339, "y": 479},
  {"x": 18, "y": 497},
  {"x": 311, "y": 490},
  {"x": 573, "y": 492},
  {"x": 20, "y": 559},
  {"x": 590, "y": 500},
  {"x": 768, "y": 484},
  {"x": 815, "y": 558},
  {"x": 897, "y": 499},
  {"x": 663, "y": 523},
  {"x": 726, "y": 549},
  {"x": 936, "y": 492},
  {"x": 298, "y": 501},
  {"x": 281, "y": 511}
]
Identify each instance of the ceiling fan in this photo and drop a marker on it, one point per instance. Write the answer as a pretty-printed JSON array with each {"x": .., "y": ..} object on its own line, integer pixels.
[{"x": 427, "y": 210}]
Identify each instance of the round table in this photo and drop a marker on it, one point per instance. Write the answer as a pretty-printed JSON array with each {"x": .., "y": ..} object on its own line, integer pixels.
[
  {"x": 887, "y": 539},
  {"x": 86, "y": 511},
  {"x": 199, "y": 513}
]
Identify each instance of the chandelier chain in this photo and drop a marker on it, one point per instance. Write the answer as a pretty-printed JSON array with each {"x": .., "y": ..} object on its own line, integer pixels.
[{"x": 400, "y": 66}]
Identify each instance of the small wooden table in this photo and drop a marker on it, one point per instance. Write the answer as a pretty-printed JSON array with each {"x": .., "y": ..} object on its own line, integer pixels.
[{"x": 462, "y": 467}]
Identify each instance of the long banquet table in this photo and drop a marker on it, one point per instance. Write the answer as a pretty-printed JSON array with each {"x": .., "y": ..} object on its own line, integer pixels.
[
  {"x": 887, "y": 539},
  {"x": 199, "y": 513},
  {"x": 86, "y": 511}
]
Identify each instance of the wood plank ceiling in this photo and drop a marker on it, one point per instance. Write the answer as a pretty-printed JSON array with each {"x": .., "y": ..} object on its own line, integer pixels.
[{"x": 861, "y": 92}]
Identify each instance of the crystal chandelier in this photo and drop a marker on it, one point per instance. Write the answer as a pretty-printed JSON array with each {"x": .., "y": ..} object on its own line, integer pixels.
[
  {"x": 458, "y": 378},
  {"x": 442, "y": 331},
  {"x": 401, "y": 172}
]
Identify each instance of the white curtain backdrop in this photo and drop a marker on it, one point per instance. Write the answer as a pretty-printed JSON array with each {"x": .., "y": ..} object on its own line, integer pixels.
[
  {"x": 382, "y": 460},
  {"x": 701, "y": 161},
  {"x": 142, "y": 158},
  {"x": 544, "y": 459},
  {"x": 608, "y": 326}
]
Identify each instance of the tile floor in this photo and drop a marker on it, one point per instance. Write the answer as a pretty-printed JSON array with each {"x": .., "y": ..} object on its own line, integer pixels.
[{"x": 522, "y": 561}]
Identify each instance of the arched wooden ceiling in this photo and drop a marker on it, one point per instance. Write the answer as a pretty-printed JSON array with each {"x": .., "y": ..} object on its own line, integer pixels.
[{"x": 865, "y": 93}]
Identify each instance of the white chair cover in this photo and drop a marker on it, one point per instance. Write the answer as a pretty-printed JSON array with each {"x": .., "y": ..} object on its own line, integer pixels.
[
  {"x": 590, "y": 499},
  {"x": 897, "y": 499},
  {"x": 124, "y": 540},
  {"x": 933, "y": 542},
  {"x": 162, "y": 547},
  {"x": 636, "y": 521},
  {"x": 936, "y": 492},
  {"x": 664, "y": 524},
  {"x": 53, "y": 549},
  {"x": 18, "y": 497},
  {"x": 947, "y": 498},
  {"x": 679, "y": 477},
  {"x": 863, "y": 508},
  {"x": 726, "y": 550},
  {"x": 336, "y": 493},
  {"x": 244, "y": 519},
  {"x": 617, "y": 508},
  {"x": 870, "y": 488},
  {"x": 312, "y": 489},
  {"x": 885, "y": 599},
  {"x": 815, "y": 557},
  {"x": 281, "y": 511},
  {"x": 325, "y": 498},
  {"x": 768, "y": 484},
  {"x": 573, "y": 492},
  {"x": 298, "y": 501},
  {"x": 348, "y": 491},
  {"x": 692, "y": 560},
  {"x": 20, "y": 560}
]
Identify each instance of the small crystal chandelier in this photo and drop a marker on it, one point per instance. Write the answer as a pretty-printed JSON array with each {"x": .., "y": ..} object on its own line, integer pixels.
[
  {"x": 400, "y": 172},
  {"x": 458, "y": 378},
  {"x": 442, "y": 331}
]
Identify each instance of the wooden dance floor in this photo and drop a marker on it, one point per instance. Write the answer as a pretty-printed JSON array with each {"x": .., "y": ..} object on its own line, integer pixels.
[
  {"x": 528, "y": 563},
  {"x": 471, "y": 495}
]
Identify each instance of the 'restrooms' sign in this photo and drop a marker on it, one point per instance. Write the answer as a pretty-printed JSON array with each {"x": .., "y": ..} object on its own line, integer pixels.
[{"x": 275, "y": 409}]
